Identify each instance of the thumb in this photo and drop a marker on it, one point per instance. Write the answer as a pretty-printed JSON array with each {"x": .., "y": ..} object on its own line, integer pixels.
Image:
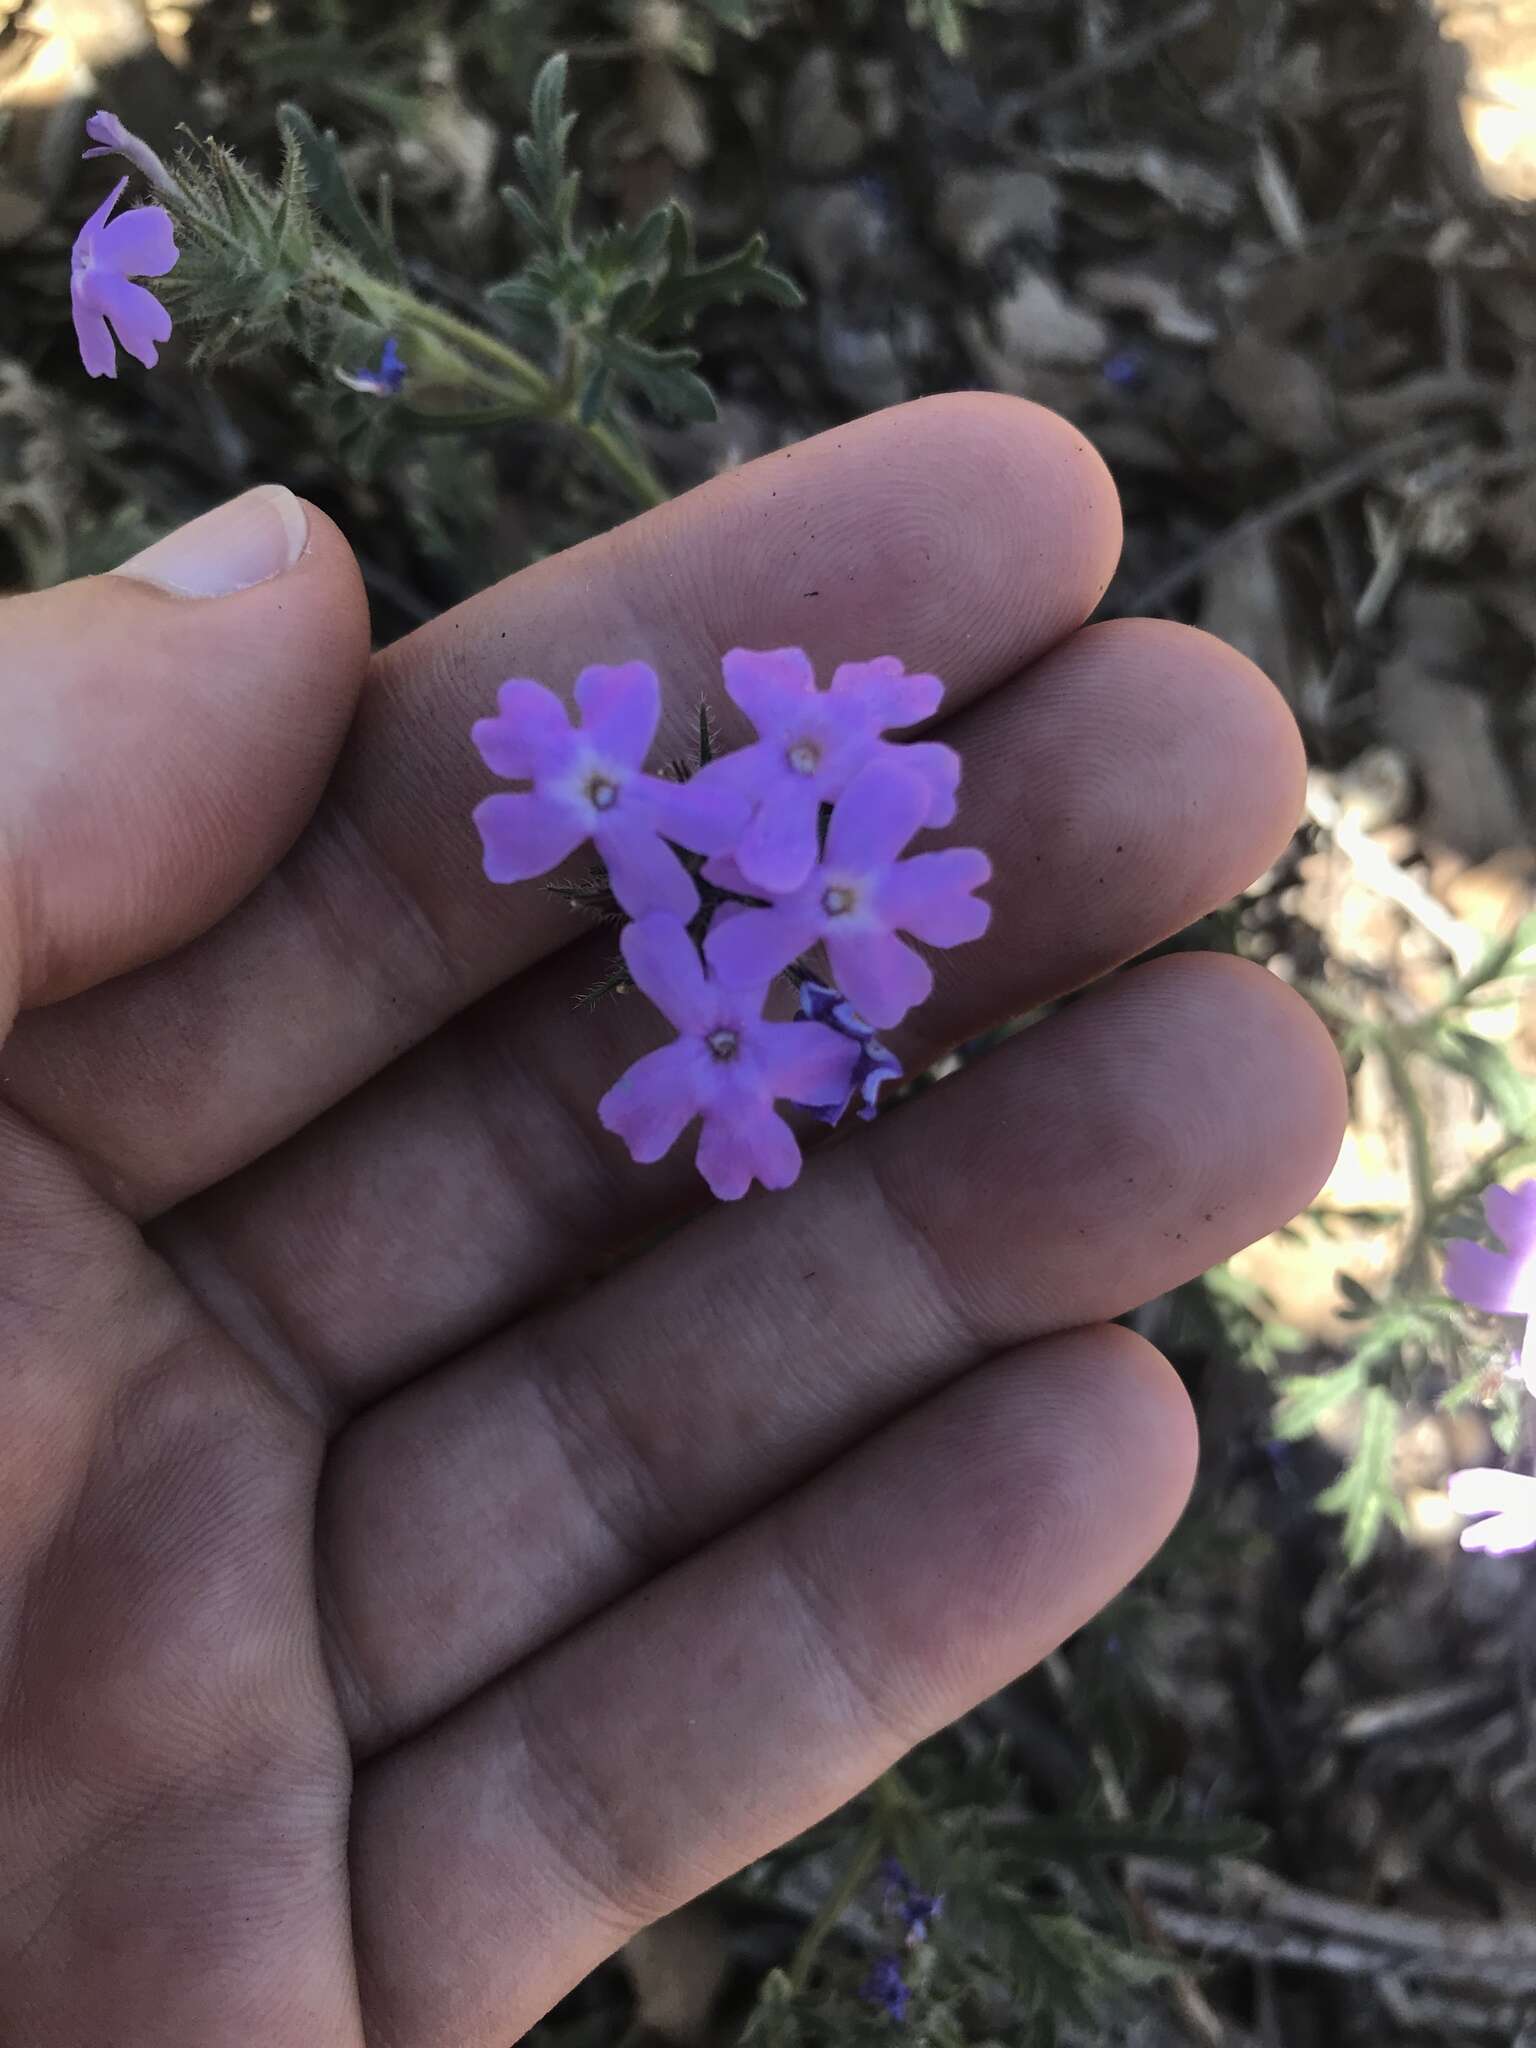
[{"x": 165, "y": 731}]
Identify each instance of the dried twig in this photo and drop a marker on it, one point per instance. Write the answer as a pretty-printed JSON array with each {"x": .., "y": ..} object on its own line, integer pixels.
[
  {"x": 1380, "y": 873},
  {"x": 1333, "y": 484},
  {"x": 1109, "y": 62},
  {"x": 1250, "y": 1913}
]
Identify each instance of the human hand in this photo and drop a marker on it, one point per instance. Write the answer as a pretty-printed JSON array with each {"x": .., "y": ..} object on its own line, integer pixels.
[{"x": 391, "y": 1623}]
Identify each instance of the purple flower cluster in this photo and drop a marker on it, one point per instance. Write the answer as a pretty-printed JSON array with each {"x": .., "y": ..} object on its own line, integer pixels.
[
  {"x": 799, "y": 839},
  {"x": 1501, "y": 1283},
  {"x": 886, "y": 1987},
  {"x": 108, "y": 254}
]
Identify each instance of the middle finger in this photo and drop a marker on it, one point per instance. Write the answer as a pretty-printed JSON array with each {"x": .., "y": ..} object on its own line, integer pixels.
[{"x": 1121, "y": 1147}]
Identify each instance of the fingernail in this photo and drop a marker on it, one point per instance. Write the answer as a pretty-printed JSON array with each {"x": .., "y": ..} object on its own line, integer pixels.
[{"x": 248, "y": 541}]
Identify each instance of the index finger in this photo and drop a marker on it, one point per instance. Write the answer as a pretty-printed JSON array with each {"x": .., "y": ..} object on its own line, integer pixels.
[{"x": 965, "y": 534}]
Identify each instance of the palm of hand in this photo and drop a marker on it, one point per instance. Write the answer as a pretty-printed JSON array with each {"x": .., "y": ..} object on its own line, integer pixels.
[{"x": 390, "y": 1625}]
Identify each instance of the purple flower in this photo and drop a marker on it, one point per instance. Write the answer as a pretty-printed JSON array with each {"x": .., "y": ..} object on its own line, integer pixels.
[
  {"x": 1503, "y": 1283},
  {"x": 113, "y": 139},
  {"x": 859, "y": 898},
  {"x": 107, "y": 254},
  {"x": 1508, "y": 1499},
  {"x": 874, "y": 1064},
  {"x": 886, "y": 1988},
  {"x": 386, "y": 380},
  {"x": 727, "y": 1065},
  {"x": 587, "y": 783},
  {"x": 918, "y": 1910},
  {"x": 812, "y": 743}
]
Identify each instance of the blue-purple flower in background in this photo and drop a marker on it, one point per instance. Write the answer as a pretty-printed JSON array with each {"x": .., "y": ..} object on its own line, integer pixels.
[{"x": 384, "y": 382}]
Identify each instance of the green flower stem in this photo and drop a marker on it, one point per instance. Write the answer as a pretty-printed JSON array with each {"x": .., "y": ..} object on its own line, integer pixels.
[
  {"x": 861, "y": 1868},
  {"x": 508, "y": 379},
  {"x": 891, "y": 1802}
]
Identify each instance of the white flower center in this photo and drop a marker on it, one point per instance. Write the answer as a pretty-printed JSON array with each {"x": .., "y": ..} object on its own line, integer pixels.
[
  {"x": 724, "y": 1043},
  {"x": 838, "y": 901},
  {"x": 805, "y": 757},
  {"x": 602, "y": 794}
]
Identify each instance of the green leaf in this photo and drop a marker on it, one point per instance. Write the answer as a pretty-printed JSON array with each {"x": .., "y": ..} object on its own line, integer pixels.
[
  {"x": 1488, "y": 1066},
  {"x": 1363, "y": 1493},
  {"x": 333, "y": 193},
  {"x": 666, "y": 377},
  {"x": 687, "y": 287},
  {"x": 1305, "y": 1398},
  {"x": 1071, "y": 1838}
]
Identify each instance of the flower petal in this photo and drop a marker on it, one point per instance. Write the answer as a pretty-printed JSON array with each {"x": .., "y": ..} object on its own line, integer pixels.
[
  {"x": 767, "y": 684},
  {"x": 643, "y": 871},
  {"x": 806, "y": 1063},
  {"x": 887, "y": 692},
  {"x": 929, "y": 896},
  {"x": 703, "y": 815},
  {"x": 725, "y": 874},
  {"x": 880, "y": 975},
  {"x": 526, "y": 836},
  {"x": 141, "y": 243},
  {"x": 1485, "y": 1490},
  {"x": 778, "y": 849},
  {"x": 1482, "y": 1278},
  {"x": 939, "y": 766},
  {"x": 137, "y": 316},
  {"x": 1511, "y": 1214},
  {"x": 530, "y": 736},
  {"x": 620, "y": 710},
  {"x": 98, "y": 351},
  {"x": 652, "y": 1104},
  {"x": 666, "y": 967},
  {"x": 745, "y": 1140},
  {"x": 1500, "y": 1535},
  {"x": 749, "y": 950},
  {"x": 85, "y": 241},
  {"x": 875, "y": 817}
]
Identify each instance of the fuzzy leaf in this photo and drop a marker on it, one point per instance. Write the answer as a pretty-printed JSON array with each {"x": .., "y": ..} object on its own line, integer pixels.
[
  {"x": 1363, "y": 1493},
  {"x": 333, "y": 192}
]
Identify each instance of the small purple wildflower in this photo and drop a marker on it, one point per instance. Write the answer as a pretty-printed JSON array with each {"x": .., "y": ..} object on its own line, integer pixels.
[
  {"x": 384, "y": 382},
  {"x": 812, "y": 743},
  {"x": 1502, "y": 1282},
  {"x": 1126, "y": 369},
  {"x": 917, "y": 1910},
  {"x": 1508, "y": 1499},
  {"x": 113, "y": 139},
  {"x": 860, "y": 897},
  {"x": 107, "y": 254},
  {"x": 587, "y": 782},
  {"x": 886, "y": 1988},
  {"x": 875, "y": 1064},
  {"x": 727, "y": 1065}
]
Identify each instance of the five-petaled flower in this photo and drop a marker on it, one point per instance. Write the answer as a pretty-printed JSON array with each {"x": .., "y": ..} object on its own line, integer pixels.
[
  {"x": 874, "y": 1064},
  {"x": 587, "y": 782},
  {"x": 812, "y": 743},
  {"x": 1502, "y": 1282},
  {"x": 107, "y": 254},
  {"x": 859, "y": 898},
  {"x": 727, "y": 1065},
  {"x": 1507, "y": 1499}
]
